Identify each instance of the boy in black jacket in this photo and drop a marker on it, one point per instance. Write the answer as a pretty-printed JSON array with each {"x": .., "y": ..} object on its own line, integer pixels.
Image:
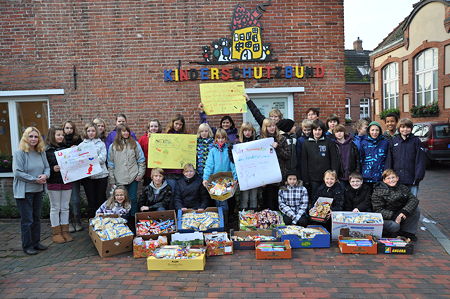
[
  {"x": 157, "y": 196},
  {"x": 357, "y": 195},
  {"x": 189, "y": 191},
  {"x": 348, "y": 155}
]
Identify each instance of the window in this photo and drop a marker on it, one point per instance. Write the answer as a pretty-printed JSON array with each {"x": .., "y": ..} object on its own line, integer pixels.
[
  {"x": 390, "y": 86},
  {"x": 364, "y": 106},
  {"x": 347, "y": 108},
  {"x": 426, "y": 77}
]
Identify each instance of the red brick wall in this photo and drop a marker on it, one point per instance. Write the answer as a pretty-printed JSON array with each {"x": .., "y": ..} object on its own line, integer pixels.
[
  {"x": 356, "y": 92},
  {"x": 120, "y": 49}
]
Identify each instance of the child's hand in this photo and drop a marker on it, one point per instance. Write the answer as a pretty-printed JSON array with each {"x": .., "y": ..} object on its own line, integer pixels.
[
  {"x": 247, "y": 98},
  {"x": 201, "y": 107},
  {"x": 56, "y": 168},
  {"x": 400, "y": 217},
  {"x": 138, "y": 178},
  {"x": 98, "y": 214},
  {"x": 183, "y": 209},
  {"x": 200, "y": 210},
  {"x": 205, "y": 183},
  {"x": 144, "y": 208},
  {"x": 274, "y": 145},
  {"x": 355, "y": 210}
]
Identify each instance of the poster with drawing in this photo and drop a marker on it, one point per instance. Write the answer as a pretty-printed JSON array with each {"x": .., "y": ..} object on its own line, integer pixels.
[
  {"x": 172, "y": 151},
  {"x": 223, "y": 98},
  {"x": 78, "y": 162},
  {"x": 256, "y": 163}
]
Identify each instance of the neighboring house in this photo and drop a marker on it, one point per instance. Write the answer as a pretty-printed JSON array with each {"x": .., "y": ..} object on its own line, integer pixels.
[
  {"x": 411, "y": 66},
  {"x": 357, "y": 82}
]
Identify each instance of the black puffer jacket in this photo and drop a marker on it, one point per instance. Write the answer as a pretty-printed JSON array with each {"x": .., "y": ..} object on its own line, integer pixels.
[
  {"x": 190, "y": 193},
  {"x": 162, "y": 200},
  {"x": 55, "y": 177},
  {"x": 391, "y": 201},
  {"x": 357, "y": 198},
  {"x": 335, "y": 192}
]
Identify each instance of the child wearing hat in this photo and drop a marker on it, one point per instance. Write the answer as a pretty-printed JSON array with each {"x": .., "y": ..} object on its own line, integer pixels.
[
  {"x": 293, "y": 201},
  {"x": 288, "y": 129}
]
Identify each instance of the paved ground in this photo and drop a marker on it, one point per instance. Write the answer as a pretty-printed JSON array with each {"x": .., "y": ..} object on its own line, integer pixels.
[{"x": 76, "y": 270}]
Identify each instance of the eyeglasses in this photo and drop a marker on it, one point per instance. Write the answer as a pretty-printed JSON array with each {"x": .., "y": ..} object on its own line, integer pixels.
[{"x": 33, "y": 136}]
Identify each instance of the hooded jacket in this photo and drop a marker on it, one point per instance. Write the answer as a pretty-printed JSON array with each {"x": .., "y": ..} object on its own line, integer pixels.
[
  {"x": 162, "y": 200},
  {"x": 190, "y": 193},
  {"x": 218, "y": 161},
  {"x": 391, "y": 201},
  {"x": 358, "y": 198},
  {"x": 203, "y": 147},
  {"x": 348, "y": 158},
  {"x": 125, "y": 165},
  {"x": 318, "y": 156},
  {"x": 407, "y": 158},
  {"x": 373, "y": 155}
]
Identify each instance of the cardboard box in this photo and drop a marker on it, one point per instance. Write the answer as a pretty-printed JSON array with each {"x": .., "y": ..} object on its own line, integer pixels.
[
  {"x": 156, "y": 215},
  {"x": 269, "y": 255},
  {"x": 250, "y": 245},
  {"x": 140, "y": 251},
  {"x": 216, "y": 247},
  {"x": 318, "y": 202},
  {"x": 319, "y": 241},
  {"x": 111, "y": 247},
  {"x": 226, "y": 195},
  {"x": 187, "y": 239},
  {"x": 355, "y": 229},
  {"x": 221, "y": 227},
  {"x": 386, "y": 249},
  {"x": 344, "y": 248},
  {"x": 194, "y": 264}
]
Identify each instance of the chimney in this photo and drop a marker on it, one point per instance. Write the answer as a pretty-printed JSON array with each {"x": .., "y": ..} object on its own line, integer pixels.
[{"x": 357, "y": 45}]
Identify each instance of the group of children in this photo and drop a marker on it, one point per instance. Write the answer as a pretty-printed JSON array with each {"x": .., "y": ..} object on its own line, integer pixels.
[{"x": 364, "y": 171}]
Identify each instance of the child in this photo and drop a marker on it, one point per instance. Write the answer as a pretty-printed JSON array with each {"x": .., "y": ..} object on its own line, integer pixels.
[
  {"x": 126, "y": 164},
  {"x": 226, "y": 123},
  {"x": 71, "y": 136},
  {"x": 373, "y": 154},
  {"x": 219, "y": 161},
  {"x": 189, "y": 191},
  {"x": 157, "y": 196},
  {"x": 95, "y": 185},
  {"x": 177, "y": 125},
  {"x": 153, "y": 126},
  {"x": 312, "y": 114},
  {"x": 360, "y": 132},
  {"x": 318, "y": 155},
  {"x": 397, "y": 205},
  {"x": 288, "y": 127},
  {"x": 270, "y": 192},
  {"x": 357, "y": 195},
  {"x": 406, "y": 156},
  {"x": 348, "y": 155},
  {"x": 121, "y": 119},
  {"x": 391, "y": 121},
  {"x": 332, "y": 122},
  {"x": 274, "y": 114},
  {"x": 101, "y": 126},
  {"x": 303, "y": 135},
  {"x": 293, "y": 201},
  {"x": 58, "y": 192},
  {"x": 205, "y": 141},
  {"x": 248, "y": 198},
  {"x": 117, "y": 204}
]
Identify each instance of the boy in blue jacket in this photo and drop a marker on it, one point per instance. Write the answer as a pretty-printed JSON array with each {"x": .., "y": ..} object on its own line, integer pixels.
[{"x": 406, "y": 156}]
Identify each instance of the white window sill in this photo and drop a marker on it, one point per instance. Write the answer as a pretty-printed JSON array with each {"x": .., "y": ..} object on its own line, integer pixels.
[{"x": 6, "y": 175}]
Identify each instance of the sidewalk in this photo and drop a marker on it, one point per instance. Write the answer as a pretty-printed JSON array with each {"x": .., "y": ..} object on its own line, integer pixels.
[{"x": 75, "y": 270}]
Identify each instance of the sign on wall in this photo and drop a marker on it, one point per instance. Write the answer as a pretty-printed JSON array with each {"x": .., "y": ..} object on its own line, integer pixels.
[
  {"x": 223, "y": 98},
  {"x": 172, "y": 151}
]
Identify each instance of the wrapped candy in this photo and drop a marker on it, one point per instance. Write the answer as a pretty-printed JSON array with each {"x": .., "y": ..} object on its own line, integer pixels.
[
  {"x": 155, "y": 227},
  {"x": 110, "y": 228},
  {"x": 176, "y": 252},
  {"x": 200, "y": 221},
  {"x": 260, "y": 220},
  {"x": 221, "y": 186},
  {"x": 302, "y": 232}
]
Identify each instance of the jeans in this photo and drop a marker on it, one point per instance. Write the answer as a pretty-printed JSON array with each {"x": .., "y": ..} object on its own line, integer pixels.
[
  {"x": 132, "y": 195},
  {"x": 59, "y": 206},
  {"x": 408, "y": 225},
  {"x": 249, "y": 196},
  {"x": 30, "y": 219},
  {"x": 303, "y": 221},
  {"x": 75, "y": 202},
  {"x": 95, "y": 190},
  {"x": 270, "y": 197},
  {"x": 414, "y": 189}
]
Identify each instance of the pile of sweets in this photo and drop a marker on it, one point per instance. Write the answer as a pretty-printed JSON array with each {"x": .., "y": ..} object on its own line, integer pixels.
[
  {"x": 361, "y": 218},
  {"x": 302, "y": 232},
  {"x": 248, "y": 218},
  {"x": 254, "y": 238},
  {"x": 271, "y": 247},
  {"x": 393, "y": 242},
  {"x": 109, "y": 228},
  {"x": 221, "y": 186},
  {"x": 219, "y": 237},
  {"x": 261, "y": 220},
  {"x": 175, "y": 252},
  {"x": 150, "y": 244},
  {"x": 200, "y": 221},
  {"x": 357, "y": 242},
  {"x": 155, "y": 227},
  {"x": 320, "y": 209}
]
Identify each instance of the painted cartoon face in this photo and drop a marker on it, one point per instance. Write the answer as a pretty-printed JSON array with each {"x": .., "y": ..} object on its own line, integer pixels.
[
  {"x": 189, "y": 172},
  {"x": 355, "y": 183},
  {"x": 339, "y": 135},
  {"x": 391, "y": 180},
  {"x": 119, "y": 195},
  {"x": 226, "y": 124},
  {"x": 91, "y": 133},
  {"x": 204, "y": 133},
  {"x": 374, "y": 131},
  {"x": 311, "y": 115},
  {"x": 177, "y": 125},
  {"x": 59, "y": 136},
  {"x": 68, "y": 129},
  {"x": 292, "y": 180},
  {"x": 329, "y": 180},
  {"x": 317, "y": 133},
  {"x": 121, "y": 121},
  {"x": 153, "y": 127},
  {"x": 125, "y": 134},
  {"x": 33, "y": 139},
  {"x": 247, "y": 133},
  {"x": 391, "y": 123},
  {"x": 405, "y": 131},
  {"x": 157, "y": 179},
  {"x": 271, "y": 129}
]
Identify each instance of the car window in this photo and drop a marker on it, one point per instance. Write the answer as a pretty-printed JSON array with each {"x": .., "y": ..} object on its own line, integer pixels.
[
  {"x": 420, "y": 130},
  {"x": 442, "y": 131}
]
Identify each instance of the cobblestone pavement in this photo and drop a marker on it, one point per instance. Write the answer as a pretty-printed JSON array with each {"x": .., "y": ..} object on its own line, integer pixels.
[{"x": 75, "y": 270}]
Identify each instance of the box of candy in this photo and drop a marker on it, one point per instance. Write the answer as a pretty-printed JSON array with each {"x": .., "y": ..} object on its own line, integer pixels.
[
  {"x": 177, "y": 258},
  {"x": 273, "y": 250},
  {"x": 395, "y": 246},
  {"x": 320, "y": 212},
  {"x": 356, "y": 224},
  {"x": 150, "y": 225},
  {"x": 364, "y": 245},
  {"x": 144, "y": 248},
  {"x": 110, "y": 235},
  {"x": 266, "y": 219},
  {"x": 207, "y": 220},
  {"x": 187, "y": 239},
  {"x": 221, "y": 186},
  {"x": 313, "y": 236},
  {"x": 218, "y": 243},
  {"x": 245, "y": 240}
]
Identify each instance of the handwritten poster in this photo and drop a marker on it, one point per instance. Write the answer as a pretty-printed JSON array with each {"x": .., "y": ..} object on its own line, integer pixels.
[
  {"x": 223, "y": 98},
  {"x": 78, "y": 162},
  {"x": 172, "y": 151},
  {"x": 256, "y": 163}
]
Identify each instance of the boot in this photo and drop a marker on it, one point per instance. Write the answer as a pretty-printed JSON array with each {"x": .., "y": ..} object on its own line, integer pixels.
[
  {"x": 56, "y": 235},
  {"x": 78, "y": 226},
  {"x": 65, "y": 233}
]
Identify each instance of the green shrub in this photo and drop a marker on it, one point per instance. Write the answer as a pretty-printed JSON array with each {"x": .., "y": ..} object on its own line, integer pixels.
[{"x": 425, "y": 110}]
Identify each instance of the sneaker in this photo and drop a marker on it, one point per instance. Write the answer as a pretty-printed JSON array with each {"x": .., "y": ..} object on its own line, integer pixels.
[
  {"x": 72, "y": 228},
  {"x": 40, "y": 246},
  {"x": 78, "y": 227},
  {"x": 30, "y": 251}
]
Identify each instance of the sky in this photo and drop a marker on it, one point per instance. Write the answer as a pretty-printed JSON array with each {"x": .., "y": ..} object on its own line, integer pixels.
[{"x": 373, "y": 20}]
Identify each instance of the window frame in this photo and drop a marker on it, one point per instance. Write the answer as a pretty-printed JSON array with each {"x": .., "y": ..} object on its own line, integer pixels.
[
  {"x": 389, "y": 82},
  {"x": 365, "y": 107},
  {"x": 420, "y": 75},
  {"x": 348, "y": 104}
]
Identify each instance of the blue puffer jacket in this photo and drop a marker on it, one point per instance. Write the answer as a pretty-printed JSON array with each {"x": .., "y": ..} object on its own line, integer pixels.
[
  {"x": 218, "y": 161},
  {"x": 373, "y": 155},
  {"x": 407, "y": 158},
  {"x": 357, "y": 140}
]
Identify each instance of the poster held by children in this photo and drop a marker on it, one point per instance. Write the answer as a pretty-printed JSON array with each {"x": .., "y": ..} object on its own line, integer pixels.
[
  {"x": 223, "y": 98},
  {"x": 172, "y": 151},
  {"x": 78, "y": 162},
  {"x": 256, "y": 163}
]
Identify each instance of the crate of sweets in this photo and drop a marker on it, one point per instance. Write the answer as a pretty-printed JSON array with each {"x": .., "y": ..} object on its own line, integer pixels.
[
  {"x": 320, "y": 212},
  {"x": 221, "y": 186},
  {"x": 395, "y": 246},
  {"x": 245, "y": 240},
  {"x": 218, "y": 243},
  {"x": 353, "y": 245},
  {"x": 151, "y": 225},
  {"x": 313, "y": 236},
  {"x": 144, "y": 248},
  {"x": 273, "y": 250},
  {"x": 177, "y": 258},
  {"x": 207, "y": 220},
  {"x": 356, "y": 224},
  {"x": 265, "y": 219}
]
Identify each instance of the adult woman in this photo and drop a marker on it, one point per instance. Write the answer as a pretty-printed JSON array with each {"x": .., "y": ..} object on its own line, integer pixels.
[
  {"x": 31, "y": 171},
  {"x": 95, "y": 186}
]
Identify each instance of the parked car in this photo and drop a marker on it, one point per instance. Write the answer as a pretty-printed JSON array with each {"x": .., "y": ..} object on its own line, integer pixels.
[{"x": 435, "y": 137}]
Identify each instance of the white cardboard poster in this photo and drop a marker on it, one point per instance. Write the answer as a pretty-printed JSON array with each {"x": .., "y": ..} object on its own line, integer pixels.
[
  {"x": 256, "y": 163},
  {"x": 78, "y": 162}
]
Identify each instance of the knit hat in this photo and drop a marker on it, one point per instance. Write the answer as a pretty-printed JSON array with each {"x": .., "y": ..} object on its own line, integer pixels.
[
  {"x": 374, "y": 123},
  {"x": 291, "y": 172},
  {"x": 285, "y": 125}
]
